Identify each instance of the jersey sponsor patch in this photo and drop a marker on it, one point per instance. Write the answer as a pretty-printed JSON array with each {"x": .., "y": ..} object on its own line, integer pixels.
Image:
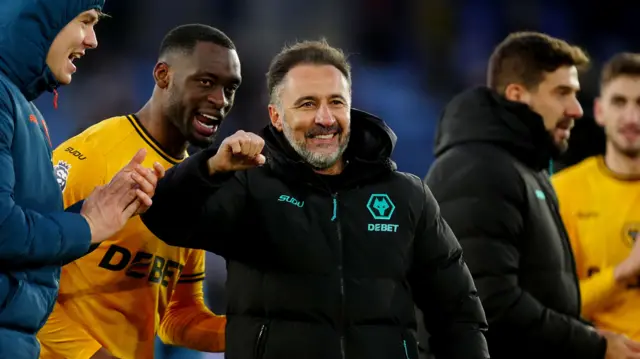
[{"x": 61, "y": 171}]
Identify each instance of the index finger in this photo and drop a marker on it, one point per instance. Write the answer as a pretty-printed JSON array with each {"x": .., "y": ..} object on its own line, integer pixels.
[
  {"x": 137, "y": 159},
  {"x": 633, "y": 345},
  {"x": 159, "y": 169},
  {"x": 257, "y": 144},
  {"x": 146, "y": 179}
]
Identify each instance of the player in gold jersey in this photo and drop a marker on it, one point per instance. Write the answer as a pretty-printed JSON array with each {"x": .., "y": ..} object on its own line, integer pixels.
[
  {"x": 114, "y": 300},
  {"x": 600, "y": 205}
]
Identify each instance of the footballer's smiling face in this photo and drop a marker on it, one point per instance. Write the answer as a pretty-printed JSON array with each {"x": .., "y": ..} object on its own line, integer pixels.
[
  {"x": 202, "y": 87},
  {"x": 618, "y": 111},
  {"x": 70, "y": 44}
]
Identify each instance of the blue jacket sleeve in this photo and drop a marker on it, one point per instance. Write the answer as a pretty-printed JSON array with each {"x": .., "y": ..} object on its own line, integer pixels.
[{"x": 28, "y": 238}]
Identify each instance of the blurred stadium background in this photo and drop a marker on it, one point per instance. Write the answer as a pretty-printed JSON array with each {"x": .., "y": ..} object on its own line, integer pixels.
[{"x": 409, "y": 57}]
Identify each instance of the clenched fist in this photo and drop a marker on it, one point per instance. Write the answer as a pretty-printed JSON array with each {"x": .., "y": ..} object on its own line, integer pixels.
[{"x": 240, "y": 151}]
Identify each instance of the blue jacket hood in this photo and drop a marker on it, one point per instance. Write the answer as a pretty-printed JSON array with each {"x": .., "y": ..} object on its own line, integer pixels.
[{"x": 27, "y": 29}]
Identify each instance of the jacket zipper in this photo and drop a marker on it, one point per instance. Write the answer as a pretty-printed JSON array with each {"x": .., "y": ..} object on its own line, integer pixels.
[
  {"x": 341, "y": 271},
  {"x": 260, "y": 342},
  {"x": 406, "y": 350},
  {"x": 565, "y": 236},
  {"x": 567, "y": 243}
]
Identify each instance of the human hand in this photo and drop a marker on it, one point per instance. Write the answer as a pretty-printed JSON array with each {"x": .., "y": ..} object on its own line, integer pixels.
[
  {"x": 240, "y": 151},
  {"x": 629, "y": 269},
  {"x": 108, "y": 207},
  {"x": 147, "y": 180},
  {"x": 619, "y": 346}
]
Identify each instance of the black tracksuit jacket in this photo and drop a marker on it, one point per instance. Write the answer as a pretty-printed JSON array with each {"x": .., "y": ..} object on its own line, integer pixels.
[
  {"x": 492, "y": 185},
  {"x": 326, "y": 267}
]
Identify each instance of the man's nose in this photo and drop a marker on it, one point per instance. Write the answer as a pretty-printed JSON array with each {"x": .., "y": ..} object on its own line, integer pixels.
[
  {"x": 91, "y": 39},
  {"x": 575, "y": 109},
  {"x": 324, "y": 117},
  {"x": 217, "y": 97},
  {"x": 632, "y": 115}
]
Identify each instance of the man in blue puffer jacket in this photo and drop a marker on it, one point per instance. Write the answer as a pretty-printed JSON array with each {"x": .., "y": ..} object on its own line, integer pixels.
[{"x": 39, "y": 39}]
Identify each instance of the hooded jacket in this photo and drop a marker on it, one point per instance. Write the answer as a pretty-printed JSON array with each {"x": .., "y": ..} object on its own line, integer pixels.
[
  {"x": 36, "y": 235},
  {"x": 325, "y": 266},
  {"x": 490, "y": 180}
]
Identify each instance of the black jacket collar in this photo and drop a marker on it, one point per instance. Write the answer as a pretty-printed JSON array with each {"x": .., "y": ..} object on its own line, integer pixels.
[
  {"x": 482, "y": 115},
  {"x": 368, "y": 154}
]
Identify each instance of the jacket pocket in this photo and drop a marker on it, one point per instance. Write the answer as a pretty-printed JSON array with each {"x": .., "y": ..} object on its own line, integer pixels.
[{"x": 261, "y": 341}]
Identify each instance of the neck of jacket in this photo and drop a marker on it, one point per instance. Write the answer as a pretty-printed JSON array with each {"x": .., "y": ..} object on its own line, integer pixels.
[
  {"x": 482, "y": 115},
  {"x": 367, "y": 156}
]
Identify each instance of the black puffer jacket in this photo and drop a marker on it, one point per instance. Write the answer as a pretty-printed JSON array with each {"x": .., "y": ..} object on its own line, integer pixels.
[
  {"x": 326, "y": 267},
  {"x": 490, "y": 179}
]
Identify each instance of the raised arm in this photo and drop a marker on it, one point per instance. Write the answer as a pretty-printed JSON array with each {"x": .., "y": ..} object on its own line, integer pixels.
[{"x": 200, "y": 201}]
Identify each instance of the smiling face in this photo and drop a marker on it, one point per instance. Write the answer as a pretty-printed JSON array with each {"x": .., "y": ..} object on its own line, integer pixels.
[
  {"x": 313, "y": 112},
  {"x": 199, "y": 89},
  {"x": 70, "y": 44},
  {"x": 618, "y": 111}
]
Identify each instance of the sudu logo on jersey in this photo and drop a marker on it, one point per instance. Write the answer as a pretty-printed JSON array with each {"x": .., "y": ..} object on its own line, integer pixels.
[
  {"x": 381, "y": 208},
  {"x": 61, "y": 171},
  {"x": 630, "y": 232}
]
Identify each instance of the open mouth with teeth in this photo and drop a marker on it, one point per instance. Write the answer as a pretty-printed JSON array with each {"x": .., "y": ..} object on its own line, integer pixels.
[
  {"x": 206, "y": 125},
  {"x": 325, "y": 137},
  {"x": 74, "y": 56},
  {"x": 324, "y": 140}
]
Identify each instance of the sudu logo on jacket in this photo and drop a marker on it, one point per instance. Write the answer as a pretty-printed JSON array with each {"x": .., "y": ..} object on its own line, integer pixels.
[{"x": 289, "y": 199}]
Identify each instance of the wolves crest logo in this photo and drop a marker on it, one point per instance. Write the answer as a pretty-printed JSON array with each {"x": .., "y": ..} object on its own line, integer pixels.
[{"x": 380, "y": 206}]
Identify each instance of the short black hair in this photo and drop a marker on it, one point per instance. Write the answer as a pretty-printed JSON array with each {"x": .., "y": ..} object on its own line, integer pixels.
[{"x": 185, "y": 37}]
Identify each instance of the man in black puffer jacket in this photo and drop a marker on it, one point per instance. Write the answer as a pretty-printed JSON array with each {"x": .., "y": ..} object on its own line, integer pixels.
[
  {"x": 493, "y": 148},
  {"x": 328, "y": 246}
]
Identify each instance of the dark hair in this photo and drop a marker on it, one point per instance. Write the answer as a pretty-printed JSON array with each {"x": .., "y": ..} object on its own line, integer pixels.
[
  {"x": 306, "y": 52},
  {"x": 524, "y": 57},
  {"x": 622, "y": 64},
  {"x": 185, "y": 37}
]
